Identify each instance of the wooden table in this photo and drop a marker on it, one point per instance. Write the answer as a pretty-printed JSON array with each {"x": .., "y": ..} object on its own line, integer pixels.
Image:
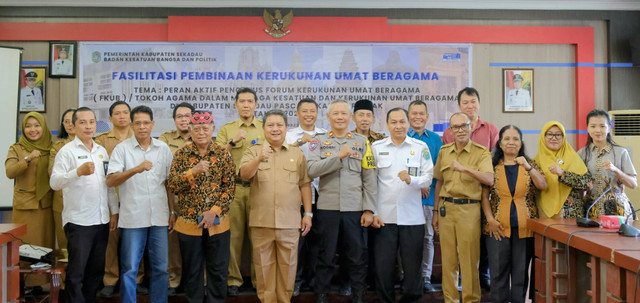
[
  {"x": 9, "y": 269},
  {"x": 613, "y": 262},
  {"x": 54, "y": 272}
]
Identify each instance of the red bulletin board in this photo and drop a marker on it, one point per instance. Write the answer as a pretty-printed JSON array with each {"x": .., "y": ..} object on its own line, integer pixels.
[{"x": 327, "y": 29}]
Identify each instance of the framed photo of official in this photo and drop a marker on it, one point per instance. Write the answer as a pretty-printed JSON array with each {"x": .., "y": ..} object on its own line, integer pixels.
[
  {"x": 32, "y": 89},
  {"x": 62, "y": 59},
  {"x": 517, "y": 90}
]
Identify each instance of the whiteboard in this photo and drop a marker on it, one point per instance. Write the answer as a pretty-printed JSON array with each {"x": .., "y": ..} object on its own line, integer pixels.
[{"x": 10, "y": 59}]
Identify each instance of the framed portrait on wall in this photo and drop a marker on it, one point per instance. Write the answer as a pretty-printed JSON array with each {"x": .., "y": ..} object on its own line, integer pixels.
[
  {"x": 517, "y": 91},
  {"x": 62, "y": 59},
  {"x": 32, "y": 89}
]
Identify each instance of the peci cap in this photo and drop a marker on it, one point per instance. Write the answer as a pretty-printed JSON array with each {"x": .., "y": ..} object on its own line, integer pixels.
[
  {"x": 363, "y": 104},
  {"x": 202, "y": 117}
]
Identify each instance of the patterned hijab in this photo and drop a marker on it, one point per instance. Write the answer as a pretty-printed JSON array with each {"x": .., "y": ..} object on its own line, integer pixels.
[
  {"x": 552, "y": 199},
  {"x": 43, "y": 144}
]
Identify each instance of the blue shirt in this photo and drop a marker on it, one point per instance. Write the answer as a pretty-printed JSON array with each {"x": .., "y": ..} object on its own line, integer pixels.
[{"x": 434, "y": 142}]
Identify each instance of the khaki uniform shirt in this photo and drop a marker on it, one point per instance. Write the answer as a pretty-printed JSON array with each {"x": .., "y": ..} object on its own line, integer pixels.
[
  {"x": 275, "y": 188},
  {"x": 109, "y": 139},
  {"x": 459, "y": 185},
  {"x": 174, "y": 139},
  {"x": 57, "y": 195},
  {"x": 255, "y": 134},
  {"x": 24, "y": 190},
  {"x": 344, "y": 184}
]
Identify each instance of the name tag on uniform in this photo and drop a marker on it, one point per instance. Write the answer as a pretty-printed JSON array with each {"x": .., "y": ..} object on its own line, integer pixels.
[
  {"x": 383, "y": 153},
  {"x": 413, "y": 171},
  {"x": 83, "y": 157},
  {"x": 105, "y": 164}
]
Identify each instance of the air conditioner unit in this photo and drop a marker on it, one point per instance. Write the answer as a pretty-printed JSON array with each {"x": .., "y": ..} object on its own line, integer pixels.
[{"x": 626, "y": 132}]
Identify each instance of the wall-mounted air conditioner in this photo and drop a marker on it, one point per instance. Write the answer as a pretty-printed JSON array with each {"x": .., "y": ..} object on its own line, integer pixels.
[{"x": 626, "y": 132}]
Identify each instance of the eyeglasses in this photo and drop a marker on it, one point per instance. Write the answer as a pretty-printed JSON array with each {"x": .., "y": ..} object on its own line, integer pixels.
[
  {"x": 455, "y": 128},
  {"x": 557, "y": 136}
]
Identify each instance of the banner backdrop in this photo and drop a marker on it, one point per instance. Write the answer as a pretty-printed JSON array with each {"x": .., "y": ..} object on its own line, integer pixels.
[{"x": 161, "y": 75}]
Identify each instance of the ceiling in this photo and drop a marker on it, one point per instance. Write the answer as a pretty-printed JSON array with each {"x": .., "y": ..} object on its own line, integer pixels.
[{"x": 608, "y": 5}]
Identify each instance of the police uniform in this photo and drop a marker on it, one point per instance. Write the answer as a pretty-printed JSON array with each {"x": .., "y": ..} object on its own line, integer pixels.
[
  {"x": 175, "y": 141},
  {"x": 347, "y": 188},
  {"x": 459, "y": 225},
  {"x": 239, "y": 209}
]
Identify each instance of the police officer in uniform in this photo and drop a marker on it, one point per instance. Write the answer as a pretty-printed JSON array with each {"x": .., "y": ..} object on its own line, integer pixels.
[
  {"x": 348, "y": 187},
  {"x": 518, "y": 97},
  {"x": 30, "y": 95}
]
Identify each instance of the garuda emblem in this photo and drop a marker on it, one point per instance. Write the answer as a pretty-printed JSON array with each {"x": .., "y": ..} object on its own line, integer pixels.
[{"x": 277, "y": 23}]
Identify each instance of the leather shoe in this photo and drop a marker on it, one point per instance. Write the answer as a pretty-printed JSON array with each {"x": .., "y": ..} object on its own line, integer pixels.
[
  {"x": 296, "y": 290},
  {"x": 141, "y": 290},
  {"x": 428, "y": 288},
  {"x": 485, "y": 284},
  {"x": 322, "y": 298},
  {"x": 107, "y": 291},
  {"x": 232, "y": 290},
  {"x": 345, "y": 290},
  {"x": 171, "y": 291},
  {"x": 359, "y": 296}
]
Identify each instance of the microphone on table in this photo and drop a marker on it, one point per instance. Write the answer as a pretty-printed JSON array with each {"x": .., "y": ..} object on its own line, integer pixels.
[
  {"x": 586, "y": 222},
  {"x": 629, "y": 230}
]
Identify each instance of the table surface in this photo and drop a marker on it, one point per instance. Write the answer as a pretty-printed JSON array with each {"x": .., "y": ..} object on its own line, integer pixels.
[{"x": 601, "y": 242}]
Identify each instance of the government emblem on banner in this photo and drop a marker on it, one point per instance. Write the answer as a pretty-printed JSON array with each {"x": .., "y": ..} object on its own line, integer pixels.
[{"x": 277, "y": 23}]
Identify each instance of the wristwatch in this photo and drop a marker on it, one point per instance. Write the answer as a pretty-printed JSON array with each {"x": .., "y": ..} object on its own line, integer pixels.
[
  {"x": 172, "y": 213},
  {"x": 299, "y": 142},
  {"x": 310, "y": 215},
  {"x": 27, "y": 159},
  {"x": 232, "y": 143}
]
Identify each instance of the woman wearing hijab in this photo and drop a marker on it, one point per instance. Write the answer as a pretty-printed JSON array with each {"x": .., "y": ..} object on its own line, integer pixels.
[
  {"x": 28, "y": 163},
  {"x": 610, "y": 165},
  {"x": 566, "y": 175},
  {"x": 67, "y": 134}
]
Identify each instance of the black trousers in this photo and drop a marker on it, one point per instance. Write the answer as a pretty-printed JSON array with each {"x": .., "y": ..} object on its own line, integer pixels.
[
  {"x": 509, "y": 261},
  {"x": 331, "y": 224},
  {"x": 200, "y": 253},
  {"x": 308, "y": 253},
  {"x": 390, "y": 239},
  {"x": 87, "y": 246},
  {"x": 483, "y": 266}
]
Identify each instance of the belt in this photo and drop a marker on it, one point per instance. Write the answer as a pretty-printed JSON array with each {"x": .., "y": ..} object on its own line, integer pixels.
[
  {"x": 245, "y": 183},
  {"x": 460, "y": 201}
]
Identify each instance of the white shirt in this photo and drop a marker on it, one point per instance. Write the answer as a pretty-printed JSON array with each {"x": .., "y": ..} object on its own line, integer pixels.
[
  {"x": 63, "y": 67},
  {"x": 30, "y": 98},
  {"x": 143, "y": 197},
  {"x": 519, "y": 98},
  {"x": 87, "y": 199},
  {"x": 398, "y": 202},
  {"x": 297, "y": 133}
]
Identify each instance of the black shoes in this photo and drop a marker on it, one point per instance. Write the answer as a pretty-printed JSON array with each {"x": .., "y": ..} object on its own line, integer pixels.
[
  {"x": 427, "y": 287},
  {"x": 296, "y": 289},
  {"x": 485, "y": 284},
  {"x": 322, "y": 298},
  {"x": 232, "y": 290}
]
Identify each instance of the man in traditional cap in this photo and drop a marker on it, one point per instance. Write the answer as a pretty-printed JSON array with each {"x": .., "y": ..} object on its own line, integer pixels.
[{"x": 363, "y": 117}]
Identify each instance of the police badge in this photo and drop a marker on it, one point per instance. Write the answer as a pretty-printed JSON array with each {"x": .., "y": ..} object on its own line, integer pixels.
[{"x": 277, "y": 23}]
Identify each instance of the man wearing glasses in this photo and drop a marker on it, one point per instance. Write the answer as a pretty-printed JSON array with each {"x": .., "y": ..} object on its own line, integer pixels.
[
  {"x": 462, "y": 168},
  {"x": 485, "y": 134}
]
